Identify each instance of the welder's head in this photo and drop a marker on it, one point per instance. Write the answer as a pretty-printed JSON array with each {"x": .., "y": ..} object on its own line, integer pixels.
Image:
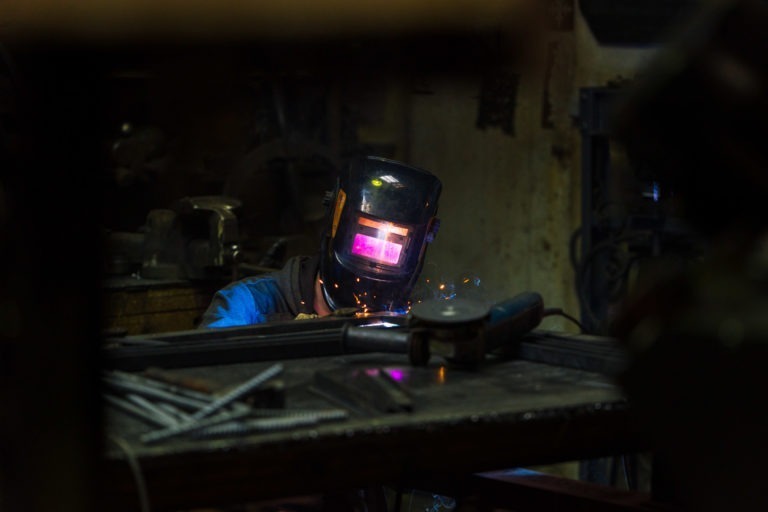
[{"x": 381, "y": 219}]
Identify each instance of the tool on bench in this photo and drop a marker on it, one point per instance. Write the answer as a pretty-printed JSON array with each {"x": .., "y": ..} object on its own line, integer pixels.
[{"x": 462, "y": 331}]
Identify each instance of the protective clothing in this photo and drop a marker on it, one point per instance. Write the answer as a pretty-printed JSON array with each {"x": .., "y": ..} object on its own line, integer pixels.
[{"x": 280, "y": 295}]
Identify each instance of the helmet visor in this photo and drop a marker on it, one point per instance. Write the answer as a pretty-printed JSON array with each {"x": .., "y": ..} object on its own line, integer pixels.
[{"x": 380, "y": 242}]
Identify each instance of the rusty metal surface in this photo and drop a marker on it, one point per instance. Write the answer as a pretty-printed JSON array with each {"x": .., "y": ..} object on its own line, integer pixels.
[{"x": 505, "y": 414}]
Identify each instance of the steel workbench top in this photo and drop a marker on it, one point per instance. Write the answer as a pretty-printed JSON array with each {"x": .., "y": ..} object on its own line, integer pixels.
[{"x": 503, "y": 414}]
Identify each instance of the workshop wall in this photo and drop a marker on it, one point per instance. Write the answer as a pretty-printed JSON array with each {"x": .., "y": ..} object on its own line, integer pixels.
[
  {"x": 512, "y": 191},
  {"x": 504, "y": 141}
]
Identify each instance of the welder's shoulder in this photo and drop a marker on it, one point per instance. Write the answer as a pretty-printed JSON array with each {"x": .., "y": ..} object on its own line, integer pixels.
[
  {"x": 259, "y": 292},
  {"x": 245, "y": 302}
]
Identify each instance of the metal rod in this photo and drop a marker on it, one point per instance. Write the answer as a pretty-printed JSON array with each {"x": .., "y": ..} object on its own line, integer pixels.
[
  {"x": 321, "y": 414},
  {"x": 191, "y": 426},
  {"x": 239, "y": 391},
  {"x": 160, "y": 414},
  {"x": 151, "y": 392},
  {"x": 134, "y": 410},
  {"x": 239, "y": 428},
  {"x": 155, "y": 383},
  {"x": 258, "y": 425},
  {"x": 182, "y": 416}
]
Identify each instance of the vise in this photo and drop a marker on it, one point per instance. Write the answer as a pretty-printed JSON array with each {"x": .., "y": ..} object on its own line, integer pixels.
[{"x": 197, "y": 238}]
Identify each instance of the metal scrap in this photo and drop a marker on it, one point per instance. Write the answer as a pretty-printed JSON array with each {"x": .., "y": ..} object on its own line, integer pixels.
[{"x": 179, "y": 411}]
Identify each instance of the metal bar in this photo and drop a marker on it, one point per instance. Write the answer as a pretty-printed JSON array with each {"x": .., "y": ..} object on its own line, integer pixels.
[
  {"x": 321, "y": 414},
  {"x": 150, "y": 392},
  {"x": 267, "y": 342},
  {"x": 239, "y": 428},
  {"x": 292, "y": 419},
  {"x": 185, "y": 428},
  {"x": 225, "y": 351},
  {"x": 573, "y": 355},
  {"x": 165, "y": 386},
  {"x": 326, "y": 324},
  {"x": 239, "y": 391},
  {"x": 133, "y": 409},
  {"x": 153, "y": 409},
  {"x": 182, "y": 416}
]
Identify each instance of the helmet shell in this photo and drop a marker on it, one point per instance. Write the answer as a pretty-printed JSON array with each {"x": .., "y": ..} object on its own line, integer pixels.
[{"x": 383, "y": 216}]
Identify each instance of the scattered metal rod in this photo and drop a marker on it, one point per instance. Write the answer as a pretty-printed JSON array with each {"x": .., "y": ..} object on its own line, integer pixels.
[
  {"x": 154, "y": 409},
  {"x": 321, "y": 414},
  {"x": 193, "y": 425},
  {"x": 176, "y": 412},
  {"x": 239, "y": 391},
  {"x": 198, "y": 384},
  {"x": 126, "y": 386},
  {"x": 240, "y": 428},
  {"x": 172, "y": 409},
  {"x": 134, "y": 410},
  {"x": 188, "y": 399},
  {"x": 159, "y": 384}
]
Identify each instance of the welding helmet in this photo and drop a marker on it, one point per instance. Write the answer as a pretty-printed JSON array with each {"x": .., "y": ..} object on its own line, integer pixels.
[{"x": 382, "y": 216}]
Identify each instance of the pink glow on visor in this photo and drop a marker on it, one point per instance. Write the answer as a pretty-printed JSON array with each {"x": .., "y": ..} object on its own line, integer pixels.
[{"x": 376, "y": 249}]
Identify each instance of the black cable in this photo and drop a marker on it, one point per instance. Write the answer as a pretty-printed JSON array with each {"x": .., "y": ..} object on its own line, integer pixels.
[
  {"x": 560, "y": 312},
  {"x": 584, "y": 269},
  {"x": 133, "y": 463},
  {"x": 572, "y": 254}
]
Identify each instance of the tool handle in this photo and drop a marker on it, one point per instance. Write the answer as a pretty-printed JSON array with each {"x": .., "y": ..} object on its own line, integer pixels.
[{"x": 512, "y": 318}]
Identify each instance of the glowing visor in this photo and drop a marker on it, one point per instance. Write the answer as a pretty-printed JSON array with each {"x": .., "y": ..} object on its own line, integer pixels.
[{"x": 381, "y": 242}]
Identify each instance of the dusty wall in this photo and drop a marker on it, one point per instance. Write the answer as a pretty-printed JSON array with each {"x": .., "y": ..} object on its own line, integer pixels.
[{"x": 511, "y": 202}]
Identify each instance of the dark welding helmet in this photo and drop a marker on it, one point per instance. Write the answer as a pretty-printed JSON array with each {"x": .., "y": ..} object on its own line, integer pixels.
[{"x": 381, "y": 219}]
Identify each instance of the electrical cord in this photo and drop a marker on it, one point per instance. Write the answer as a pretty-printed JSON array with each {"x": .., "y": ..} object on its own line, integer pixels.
[
  {"x": 560, "y": 312},
  {"x": 133, "y": 463},
  {"x": 584, "y": 268},
  {"x": 575, "y": 237}
]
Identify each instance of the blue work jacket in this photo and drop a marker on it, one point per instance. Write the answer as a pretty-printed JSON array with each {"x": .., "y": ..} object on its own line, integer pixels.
[{"x": 279, "y": 295}]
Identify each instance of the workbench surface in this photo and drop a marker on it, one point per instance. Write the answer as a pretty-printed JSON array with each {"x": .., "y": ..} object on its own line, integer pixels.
[{"x": 504, "y": 414}]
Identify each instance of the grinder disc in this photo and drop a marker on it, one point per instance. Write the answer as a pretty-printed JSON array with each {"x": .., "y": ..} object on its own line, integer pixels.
[{"x": 454, "y": 311}]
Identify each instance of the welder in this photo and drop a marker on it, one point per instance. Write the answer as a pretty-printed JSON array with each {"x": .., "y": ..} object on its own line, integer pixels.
[{"x": 381, "y": 217}]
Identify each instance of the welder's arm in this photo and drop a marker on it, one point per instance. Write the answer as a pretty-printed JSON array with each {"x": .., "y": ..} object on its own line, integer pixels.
[{"x": 245, "y": 302}]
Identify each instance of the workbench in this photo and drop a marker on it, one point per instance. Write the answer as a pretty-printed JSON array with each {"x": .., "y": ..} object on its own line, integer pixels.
[
  {"x": 143, "y": 306},
  {"x": 503, "y": 414}
]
